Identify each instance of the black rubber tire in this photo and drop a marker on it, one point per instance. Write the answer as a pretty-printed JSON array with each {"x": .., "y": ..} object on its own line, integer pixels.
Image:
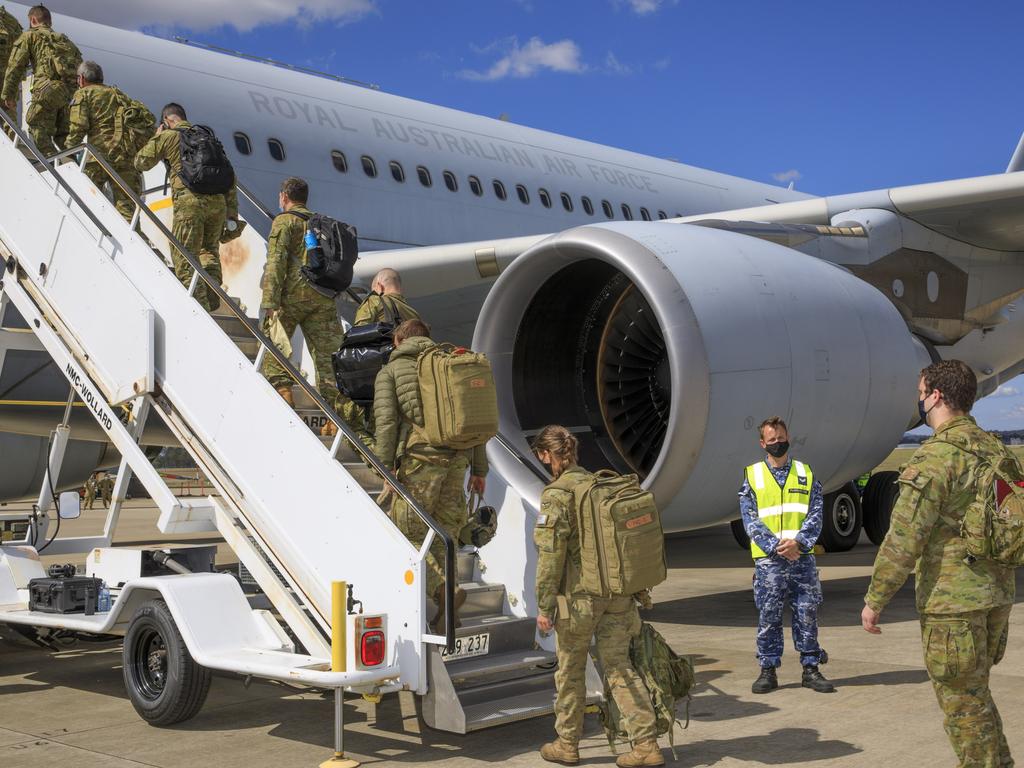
[
  {"x": 880, "y": 497},
  {"x": 163, "y": 681},
  {"x": 843, "y": 519},
  {"x": 740, "y": 534}
]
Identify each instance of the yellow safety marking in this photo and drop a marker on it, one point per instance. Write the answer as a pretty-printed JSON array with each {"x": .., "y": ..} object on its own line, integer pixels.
[
  {"x": 159, "y": 205},
  {"x": 339, "y": 602},
  {"x": 409, "y": 577},
  {"x": 60, "y": 403}
]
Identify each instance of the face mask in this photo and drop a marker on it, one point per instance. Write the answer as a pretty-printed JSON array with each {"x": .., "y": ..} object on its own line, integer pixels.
[
  {"x": 922, "y": 412},
  {"x": 778, "y": 450}
]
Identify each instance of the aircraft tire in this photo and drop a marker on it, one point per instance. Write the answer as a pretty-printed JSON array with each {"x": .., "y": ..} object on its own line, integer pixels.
[
  {"x": 843, "y": 519},
  {"x": 879, "y": 498},
  {"x": 740, "y": 534},
  {"x": 165, "y": 684}
]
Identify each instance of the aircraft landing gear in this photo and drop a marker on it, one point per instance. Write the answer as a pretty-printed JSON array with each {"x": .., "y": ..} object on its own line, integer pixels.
[
  {"x": 842, "y": 522},
  {"x": 880, "y": 496}
]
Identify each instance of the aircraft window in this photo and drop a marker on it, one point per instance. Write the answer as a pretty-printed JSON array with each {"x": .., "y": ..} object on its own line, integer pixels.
[
  {"x": 242, "y": 143},
  {"x": 276, "y": 149},
  {"x": 451, "y": 182},
  {"x": 424, "y": 175},
  {"x": 627, "y": 212},
  {"x": 397, "y": 171},
  {"x": 476, "y": 186},
  {"x": 587, "y": 205},
  {"x": 545, "y": 198},
  {"x": 369, "y": 167},
  {"x": 499, "y": 190},
  {"x": 524, "y": 196},
  {"x": 567, "y": 202},
  {"x": 662, "y": 215},
  {"x": 339, "y": 160},
  {"x": 645, "y": 214},
  {"x": 609, "y": 212}
]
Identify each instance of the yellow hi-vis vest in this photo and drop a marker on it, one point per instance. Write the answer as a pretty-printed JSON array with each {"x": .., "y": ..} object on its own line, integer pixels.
[{"x": 782, "y": 510}]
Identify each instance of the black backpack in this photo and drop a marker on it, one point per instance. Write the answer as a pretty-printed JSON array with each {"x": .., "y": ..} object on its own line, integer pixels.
[
  {"x": 205, "y": 168},
  {"x": 330, "y": 271},
  {"x": 364, "y": 351}
]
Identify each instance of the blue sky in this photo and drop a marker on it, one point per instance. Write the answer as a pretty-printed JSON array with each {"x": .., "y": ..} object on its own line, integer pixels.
[{"x": 837, "y": 97}]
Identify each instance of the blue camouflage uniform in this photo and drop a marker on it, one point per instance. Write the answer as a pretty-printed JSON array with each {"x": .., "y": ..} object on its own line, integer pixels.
[{"x": 777, "y": 580}]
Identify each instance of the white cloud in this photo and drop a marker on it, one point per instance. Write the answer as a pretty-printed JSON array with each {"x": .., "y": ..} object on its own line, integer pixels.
[
  {"x": 530, "y": 59},
  {"x": 616, "y": 67},
  {"x": 208, "y": 14},
  {"x": 642, "y": 7},
  {"x": 1005, "y": 390},
  {"x": 662, "y": 63},
  {"x": 784, "y": 177},
  {"x": 1017, "y": 412}
]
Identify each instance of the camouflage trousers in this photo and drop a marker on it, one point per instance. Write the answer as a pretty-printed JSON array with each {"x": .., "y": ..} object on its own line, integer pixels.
[
  {"x": 48, "y": 116},
  {"x": 435, "y": 482},
  {"x": 322, "y": 331},
  {"x": 959, "y": 652},
  {"x": 612, "y": 622},
  {"x": 112, "y": 190},
  {"x": 778, "y": 581},
  {"x": 198, "y": 224}
]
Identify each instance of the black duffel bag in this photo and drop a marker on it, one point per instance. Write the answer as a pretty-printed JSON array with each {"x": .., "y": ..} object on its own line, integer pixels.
[{"x": 364, "y": 351}]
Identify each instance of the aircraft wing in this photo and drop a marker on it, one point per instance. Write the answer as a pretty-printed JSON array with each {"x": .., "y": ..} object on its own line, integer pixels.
[{"x": 984, "y": 211}]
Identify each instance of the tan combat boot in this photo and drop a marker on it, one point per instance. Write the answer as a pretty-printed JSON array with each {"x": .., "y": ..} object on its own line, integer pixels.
[
  {"x": 460, "y": 597},
  {"x": 561, "y": 751},
  {"x": 286, "y": 395},
  {"x": 644, "y": 753}
]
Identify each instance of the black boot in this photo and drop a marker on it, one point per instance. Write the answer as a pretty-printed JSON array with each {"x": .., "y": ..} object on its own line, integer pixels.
[
  {"x": 816, "y": 681},
  {"x": 766, "y": 682}
]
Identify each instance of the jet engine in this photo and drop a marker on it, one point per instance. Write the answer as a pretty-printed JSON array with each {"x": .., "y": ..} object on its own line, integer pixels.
[{"x": 664, "y": 346}]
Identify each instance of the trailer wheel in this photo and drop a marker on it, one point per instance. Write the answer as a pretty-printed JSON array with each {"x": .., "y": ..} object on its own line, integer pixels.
[
  {"x": 164, "y": 683},
  {"x": 740, "y": 534},
  {"x": 879, "y": 499},
  {"x": 842, "y": 522}
]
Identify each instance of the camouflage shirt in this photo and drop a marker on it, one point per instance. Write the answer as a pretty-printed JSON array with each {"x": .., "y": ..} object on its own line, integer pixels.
[
  {"x": 94, "y": 115},
  {"x": 557, "y": 539},
  {"x": 283, "y": 282},
  {"x": 372, "y": 310},
  {"x": 166, "y": 146},
  {"x": 31, "y": 48},
  {"x": 936, "y": 487},
  {"x": 10, "y": 30}
]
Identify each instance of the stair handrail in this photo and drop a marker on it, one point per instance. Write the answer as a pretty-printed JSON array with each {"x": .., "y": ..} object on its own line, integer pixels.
[{"x": 267, "y": 345}]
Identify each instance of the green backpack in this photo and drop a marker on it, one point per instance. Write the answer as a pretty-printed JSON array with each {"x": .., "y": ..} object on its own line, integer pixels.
[
  {"x": 134, "y": 125},
  {"x": 993, "y": 525},
  {"x": 669, "y": 678},
  {"x": 62, "y": 57},
  {"x": 622, "y": 544},
  {"x": 460, "y": 404},
  {"x": 10, "y": 30}
]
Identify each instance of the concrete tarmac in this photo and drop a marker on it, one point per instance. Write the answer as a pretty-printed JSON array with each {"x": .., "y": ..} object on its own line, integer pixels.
[{"x": 69, "y": 706}]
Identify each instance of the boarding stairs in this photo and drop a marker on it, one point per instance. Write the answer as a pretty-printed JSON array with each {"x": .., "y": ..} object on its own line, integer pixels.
[{"x": 300, "y": 514}]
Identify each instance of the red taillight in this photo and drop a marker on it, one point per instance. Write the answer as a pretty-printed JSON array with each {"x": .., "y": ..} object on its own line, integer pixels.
[{"x": 371, "y": 648}]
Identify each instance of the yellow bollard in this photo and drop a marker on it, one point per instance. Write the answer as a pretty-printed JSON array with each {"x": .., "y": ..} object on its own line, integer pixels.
[{"x": 339, "y": 663}]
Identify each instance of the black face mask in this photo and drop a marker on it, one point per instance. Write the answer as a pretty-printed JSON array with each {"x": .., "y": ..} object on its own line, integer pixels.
[{"x": 778, "y": 450}]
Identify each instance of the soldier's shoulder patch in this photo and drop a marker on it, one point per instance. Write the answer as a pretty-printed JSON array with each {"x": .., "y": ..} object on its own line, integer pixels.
[
  {"x": 913, "y": 477},
  {"x": 910, "y": 473},
  {"x": 545, "y": 519}
]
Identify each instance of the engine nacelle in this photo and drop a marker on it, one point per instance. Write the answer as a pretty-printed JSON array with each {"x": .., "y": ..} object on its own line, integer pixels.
[{"x": 664, "y": 346}]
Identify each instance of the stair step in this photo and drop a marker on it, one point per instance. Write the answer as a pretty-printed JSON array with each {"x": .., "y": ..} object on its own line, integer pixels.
[
  {"x": 230, "y": 324},
  {"x": 247, "y": 345},
  {"x": 522, "y": 700},
  {"x": 467, "y": 565},
  {"x": 482, "y": 600},
  {"x": 508, "y": 633},
  {"x": 496, "y": 667}
]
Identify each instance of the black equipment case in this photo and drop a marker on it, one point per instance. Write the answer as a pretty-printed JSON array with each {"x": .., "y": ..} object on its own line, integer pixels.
[{"x": 75, "y": 594}]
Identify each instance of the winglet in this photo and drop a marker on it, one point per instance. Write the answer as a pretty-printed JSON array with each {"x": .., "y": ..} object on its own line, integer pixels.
[{"x": 1017, "y": 161}]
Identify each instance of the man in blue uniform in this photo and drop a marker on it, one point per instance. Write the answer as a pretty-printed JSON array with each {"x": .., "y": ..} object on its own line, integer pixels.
[{"x": 781, "y": 504}]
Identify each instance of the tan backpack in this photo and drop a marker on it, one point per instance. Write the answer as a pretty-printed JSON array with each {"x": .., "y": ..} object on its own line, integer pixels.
[
  {"x": 62, "y": 57},
  {"x": 622, "y": 544},
  {"x": 460, "y": 405},
  {"x": 134, "y": 125}
]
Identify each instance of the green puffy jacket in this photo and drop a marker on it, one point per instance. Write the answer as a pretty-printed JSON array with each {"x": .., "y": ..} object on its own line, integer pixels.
[{"x": 397, "y": 406}]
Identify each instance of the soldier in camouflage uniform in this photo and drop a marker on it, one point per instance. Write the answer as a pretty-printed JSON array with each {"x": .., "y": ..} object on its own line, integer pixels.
[
  {"x": 199, "y": 220},
  {"x": 10, "y": 30},
  {"x": 964, "y": 606},
  {"x": 785, "y": 570},
  {"x": 54, "y": 59},
  {"x": 581, "y": 617},
  {"x": 94, "y": 115},
  {"x": 289, "y": 297},
  {"x": 433, "y": 476},
  {"x": 90, "y": 491},
  {"x": 105, "y": 487}
]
